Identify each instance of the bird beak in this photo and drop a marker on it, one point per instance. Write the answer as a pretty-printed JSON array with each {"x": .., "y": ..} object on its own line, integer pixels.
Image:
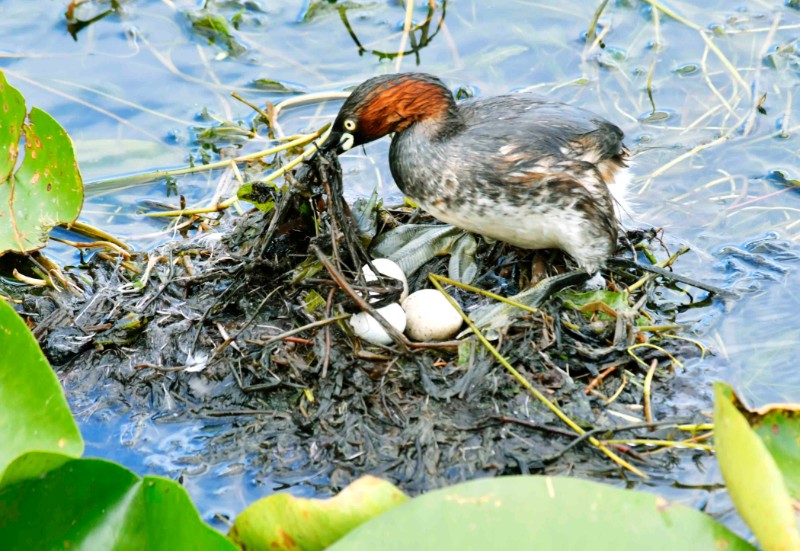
[{"x": 338, "y": 142}]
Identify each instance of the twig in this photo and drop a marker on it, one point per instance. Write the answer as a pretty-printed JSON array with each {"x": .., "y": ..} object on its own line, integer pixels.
[
  {"x": 591, "y": 33},
  {"x": 613, "y": 430},
  {"x": 619, "y": 390},
  {"x": 648, "y": 382},
  {"x": 654, "y": 347},
  {"x": 296, "y": 330},
  {"x": 597, "y": 380},
  {"x": 326, "y": 361},
  {"x": 479, "y": 291},
  {"x": 87, "y": 230},
  {"x": 399, "y": 339},
  {"x": 252, "y": 106},
  {"x": 406, "y": 30},
  {"x": 662, "y": 443},
  {"x": 94, "y": 244},
  {"x": 138, "y": 179},
  {"x": 229, "y": 340}
]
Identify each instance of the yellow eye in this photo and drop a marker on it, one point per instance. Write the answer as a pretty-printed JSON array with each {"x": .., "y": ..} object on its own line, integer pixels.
[{"x": 349, "y": 125}]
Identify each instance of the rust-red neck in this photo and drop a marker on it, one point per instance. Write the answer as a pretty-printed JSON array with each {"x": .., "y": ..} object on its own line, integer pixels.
[{"x": 394, "y": 103}]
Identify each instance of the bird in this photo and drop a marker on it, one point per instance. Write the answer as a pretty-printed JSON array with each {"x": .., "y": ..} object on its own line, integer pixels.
[{"x": 519, "y": 168}]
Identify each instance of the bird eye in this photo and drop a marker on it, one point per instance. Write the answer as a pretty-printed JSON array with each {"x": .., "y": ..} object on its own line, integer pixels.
[{"x": 350, "y": 125}]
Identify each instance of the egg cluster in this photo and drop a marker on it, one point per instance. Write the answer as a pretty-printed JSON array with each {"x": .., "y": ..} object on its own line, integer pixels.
[{"x": 424, "y": 315}]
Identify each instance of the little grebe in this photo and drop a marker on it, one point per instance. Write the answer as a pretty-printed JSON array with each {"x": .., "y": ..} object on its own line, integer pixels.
[{"x": 518, "y": 168}]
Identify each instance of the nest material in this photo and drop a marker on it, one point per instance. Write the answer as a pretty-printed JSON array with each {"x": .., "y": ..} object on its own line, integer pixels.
[{"x": 318, "y": 406}]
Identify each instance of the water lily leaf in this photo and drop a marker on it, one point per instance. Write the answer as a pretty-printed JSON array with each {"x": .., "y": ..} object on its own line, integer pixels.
[
  {"x": 46, "y": 189},
  {"x": 755, "y": 483},
  {"x": 532, "y": 512},
  {"x": 413, "y": 245},
  {"x": 779, "y": 429},
  {"x": 283, "y": 521},
  {"x": 96, "y": 504},
  {"x": 34, "y": 415}
]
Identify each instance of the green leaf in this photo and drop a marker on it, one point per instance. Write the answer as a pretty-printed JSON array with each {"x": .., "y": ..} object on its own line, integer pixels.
[
  {"x": 318, "y": 8},
  {"x": 599, "y": 303},
  {"x": 260, "y": 194},
  {"x": 12, "y": 115},
  {"x": 96, "y": 504},
  {"x": 34, "y": 415},
  {"x": 217, "y": 29},
  {"x": 46, "y": 189},
  {"x": 277, "y": 86},
  {"x": 282, "y": 521},
  {"x": 754, "y": 481},
  {"x": 531, "y": 512},
  {"x": 779, "y": 429},
  {"x": 616, "y": 300}
]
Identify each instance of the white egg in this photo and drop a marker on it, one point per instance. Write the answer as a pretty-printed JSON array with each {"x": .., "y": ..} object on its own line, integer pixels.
[
  {"x": 388, "y": 268},
  {"x": 430, "y": 317},
  {"x": 368, "y": 328}
]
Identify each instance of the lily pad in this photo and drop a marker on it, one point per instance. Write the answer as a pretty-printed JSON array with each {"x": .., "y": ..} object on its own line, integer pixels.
[
  {"x": 283, "y": 521},
  {"x": 34, "y": 415},
  {"x": 531, "y": 512},
  {"x": 44, "y": 189},
  {"x": 779, "y": 429},
  {"x": 755, "y": 483},
  {"x": 96, "y": 504}
]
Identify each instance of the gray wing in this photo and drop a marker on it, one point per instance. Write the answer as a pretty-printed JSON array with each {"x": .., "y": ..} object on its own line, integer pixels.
[{"x": 533, "y": 127}]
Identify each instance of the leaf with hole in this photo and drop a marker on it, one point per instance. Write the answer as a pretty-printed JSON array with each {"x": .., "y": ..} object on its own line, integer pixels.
[{"x": 40, "y": 184}]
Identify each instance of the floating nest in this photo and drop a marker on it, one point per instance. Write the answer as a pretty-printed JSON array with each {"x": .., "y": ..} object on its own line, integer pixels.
[{"x": 244, "y": 328}]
